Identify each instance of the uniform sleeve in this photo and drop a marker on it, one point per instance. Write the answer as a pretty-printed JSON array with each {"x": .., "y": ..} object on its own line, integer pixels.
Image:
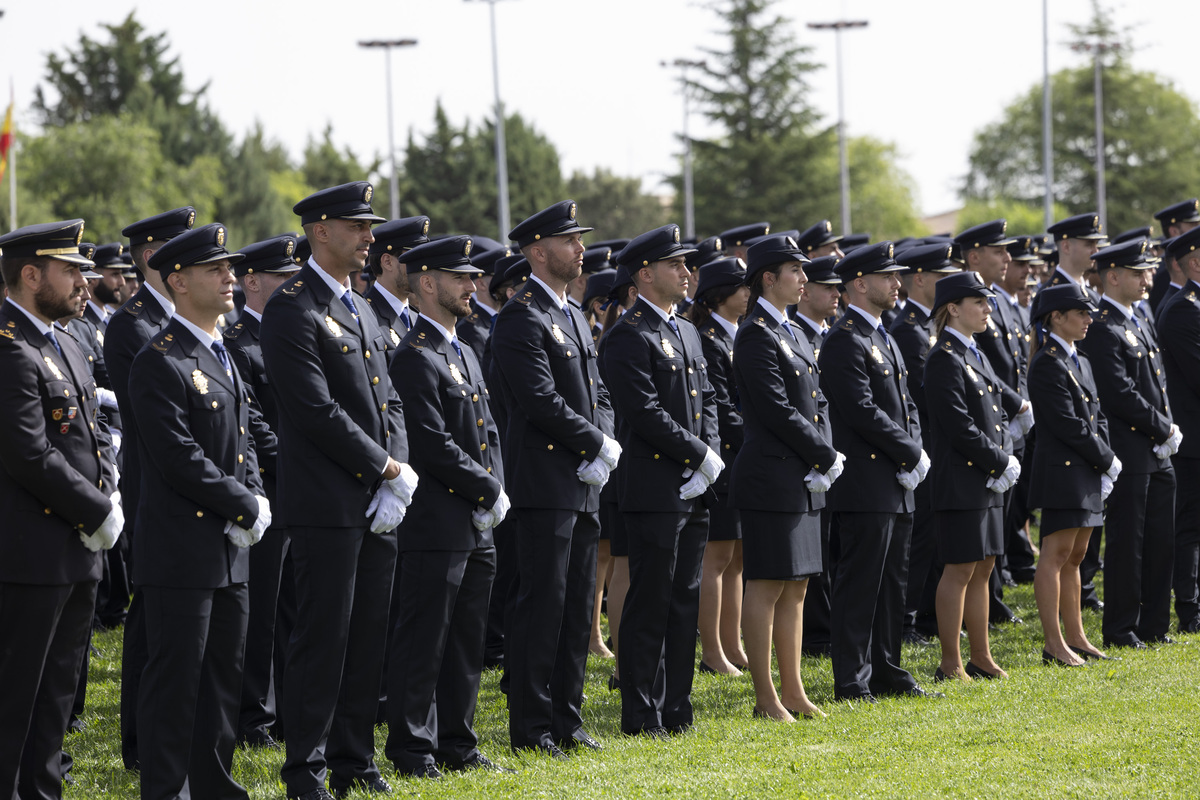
[
  {"x": 1054, "y": 409},
  {"x": 730, "y": 425},
  {"x": 946, "y": 398},
  {"x": 1118, "y": 391}
]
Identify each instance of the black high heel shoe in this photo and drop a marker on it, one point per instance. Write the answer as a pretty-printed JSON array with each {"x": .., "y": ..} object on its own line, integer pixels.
[
  {"x": 1088, "y": 655},
  {"x": 980, "y": 672},
  {"x": 1048, "y": 659},
  {"x": 614, "y": 683},
  {"x": 939, "y": 676},
  {"x": 705, "y": 669}
]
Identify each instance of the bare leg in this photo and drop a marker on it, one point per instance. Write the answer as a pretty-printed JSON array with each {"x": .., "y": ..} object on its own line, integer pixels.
[
  {"x": 603, "y": 560},
  {"x": 1072, "y": 618},
  {"x": 758, "y": 620},
  {"x": 789, "y": 631},
  {"x": 717, "y": 556},
  {"x": 618, "y": 587},
  {"x": 1048, "y": 590},
  {"x": 951, "y": 594},
  {"x": 731, "y": 608},
  {"x": 975, "y": 612}
]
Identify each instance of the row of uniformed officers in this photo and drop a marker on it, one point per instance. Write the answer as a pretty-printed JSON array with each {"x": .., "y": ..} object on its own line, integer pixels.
[{"x": 426, "y": 466}]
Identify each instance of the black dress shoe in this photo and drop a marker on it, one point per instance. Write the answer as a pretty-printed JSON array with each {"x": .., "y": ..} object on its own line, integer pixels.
[
  {"x": 657, "y": 732},
  {"x": 912, "y": 637},
  {"x": 1092, "y": 604},
  {"x": 1164, "y": 639},
  {"x": 614, "y": 683},
  {"x": 580, "y": 738},
  {"x": 480, "y": 761},
  {"x": 259, "y": 739},
  {"x": 980, "y": 672},
  {"x": 378, "y": 785},
  {"x": 1049, "y": 659},
  {"x": 551, "y": 750},
  {"x": 858, "y": 698},
  {"x": 705, "y": 669},
  {"x": 429, "y": 771},
  {"x": 917, "y": 691},
  {"x": 677, "y": 730},
  {"x": 319, "y": 793}
]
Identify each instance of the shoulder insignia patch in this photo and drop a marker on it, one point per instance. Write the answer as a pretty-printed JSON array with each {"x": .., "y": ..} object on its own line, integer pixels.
[
  {"x": 160, "y": 344},
  {"x": 949, "y": 348},
  {"x": 524, "y": 299},
  {"x": 292, "y": 288},
  {"x": 6, "y": 333}
]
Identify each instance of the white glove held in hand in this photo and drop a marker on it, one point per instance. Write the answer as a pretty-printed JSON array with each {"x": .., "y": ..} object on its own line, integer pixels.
[
  {"x": 1106, "y": 486},
  {"x": 1171, "y": 446},
  {"x": 594, "y": 473},
  {"x": 404, "y": 484},
  {"x": 816, "y": 482},
  {"x": 712, "y": 466},
  {"x": 908, "y": 480},
  {"x": 244, "y": 537},
  {"x": 1114, "y": 469},
  {"x": 610, "y": 453},
  {"x": 695, "y": 486},
  {"x": 1007, "y": 479},
  {"x": 839, "y": 466},
  {"x": 922, "y": 468},
  {"x": 484, "y": 519},
  {"x": 387, "y": 508},
  {"x": 104, "y": 537}
]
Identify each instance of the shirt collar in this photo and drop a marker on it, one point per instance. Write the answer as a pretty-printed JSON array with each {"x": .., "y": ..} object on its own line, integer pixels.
[
  {"x": 42, "y": 327},
  {"x": 205, "y": 338},
  {"x": 874, "y": 320},
  {"x": 928, "y": 311},
  {"x": 1069, "y": 348},
  {"x": 730, "y": 327},
  {"x": 561, "y": 299},
  {"x": 1128, "y": 312},
  {"x": 817, "y": 327},
  {"x": 166, "y": 304},
  {"x": 775, "y": 313},
  {"x": 100, "y": 310},
  {"x": 1063, "y": 272},
  {"x": 486, "y": 309},
  {"x": 253, "y": 313},
  {"x": 447, "y": 335},
  {"x": 396, "y": 303},
  {"x": 338, "y": 289},
  {"x": 1000, "y": 291},
  {"x": 969, "y": 341},
  {"x": 666, "y": 315}
]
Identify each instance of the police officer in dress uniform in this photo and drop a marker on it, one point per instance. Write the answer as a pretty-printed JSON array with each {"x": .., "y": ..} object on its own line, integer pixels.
[
  {"x": 819, "y": 240},
  {"x": 448, "y": 559},
  {"x": 390, "y": 293},
  {"x": 476, "y": 327},
  {"x": 1179, "y": 335},
  {"x": 1175, "y": 219},
  {"x": 129, "y": 330},
  {"x": 558, "y": 451},
  {"x": 264, "y": 267},
  {"x": 59, "y": 500},
  {"x": 202, "y": 507},
  {"x": 735, "y": 242},
  {"x": 667, "y": 421},
  {"x": 343, "y": 487},
  {"x": 1127, "y": 365},
  {"x": 875, "y": 424}
]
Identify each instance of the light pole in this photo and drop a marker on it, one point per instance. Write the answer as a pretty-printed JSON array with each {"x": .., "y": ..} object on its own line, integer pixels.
[
  {"x": 689, "y": 197},
  {"x": 837, "y": 28},
  {"x": 502, "y": 216},
  {"x": 1047, "y": 130},
  {"x": 387, "y": 45},
  {"x": 1098, "y": 49}
]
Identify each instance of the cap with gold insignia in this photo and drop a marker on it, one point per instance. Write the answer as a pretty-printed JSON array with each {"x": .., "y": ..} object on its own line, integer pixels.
[
  {"x": 719, "y": 273},
  {"x": 275, "y": 255},
  {"x": 88, "y": 251},
  {"x": 868, "y": 259},
  {"x": 485, "y": 260},
  {"x": 923, "y": 258},
  {"x": 853, "y": 240},
  {"x": 986, "y": 234},
  {"x": 449, "y": 254},
  {"x": 1180, "y": 246},
  {"x": 512, "y": 269},
  {"x": 303, "y": 251},
  {"x": 818, "y": 235},
  {"x": 737, "y": 237},
  {"x": 161, "y": 227},
  {"x": 348, "y": 201},
  {"x": 1130, "y": 254},
  {"x": 1186, "y": 211},
  {"x": 707, "y": 251},
  {"x": 821, "y": 270},
  {"x": 598, "y": 285},
  {"x": 656, "y": 245},
  {"x": 557, "y": 220},
  {"x": 1080, "y": 226},
  {"x": 58, "y": 240},
  {"x": 1063, "y": 297},
  {"x": 202, "y": 245},
  {"x": 597, "y": 259},
  {"x": 399, "y": 235},
  {"x": 792, "y": 234},
  {"x": 968, "y": 283},
  {"x": 108, "y": 256},
  {"x": 1022, "y": 249},
  {"x": 772, "y": 250}
]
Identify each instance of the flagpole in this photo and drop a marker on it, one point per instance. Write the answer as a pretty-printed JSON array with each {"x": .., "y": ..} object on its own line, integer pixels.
[{"x": 12, "y": 161}]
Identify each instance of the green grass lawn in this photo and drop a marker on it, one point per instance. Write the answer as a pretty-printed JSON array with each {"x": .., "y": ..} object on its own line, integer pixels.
[{"x": 1129, "y": 728}]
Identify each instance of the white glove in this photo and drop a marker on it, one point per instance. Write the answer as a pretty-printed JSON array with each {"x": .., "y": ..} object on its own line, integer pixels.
[
  {"x": 839, "y": 466},
  {"x": 1106, "y": 486},
  {"x": 241, "y": 537},
  {"x": 104, "y": 537},
  {"x": 1114, "y": 469},
  {"x": 1171, "y": 446},
  {"x": 1007, "y": 479},
  {"x": 816, "y": 482},
  {"x": 695, "y": 487},
  {"x": 1025, "y": 418},
  {"x": 922, "y": 468},
  {"x": 908, "y": 480},
  {"x": 502, "y": 506},
  {"x": 107, "y": 397},
  {"x": 595, "y": 472},
  {"x": 404, "y": 484},
  {"x": 244, "y": 537},
  {"x": 483, "y": 519},
  {"x": 116, "y": 437},
  {"x": 610, "y": 453},
  {"x": 387, "y": 508},
  {"x": 712, "y": 466}
]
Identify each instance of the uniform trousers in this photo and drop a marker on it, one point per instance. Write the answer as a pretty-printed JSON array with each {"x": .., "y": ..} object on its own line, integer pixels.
[
  {"x": 259, "y": 698},
  {"x": 45, "y": 632},
  {"x": 133, "y": 662},
  {"x": 189, "y": 694},
  {"x": 1187, "y": 542},
  {"x": 546, "y": 646},
  {"x": 1139, "y": 549},
  {"x": 437, "y": 656},
  {"x": 335, "y": 656},
  {"x": 922, "y": 553},
  {"x": 503, "y": 589},
  {"x": 870, "y": 574},
  {"x": 658, "y": 624}
]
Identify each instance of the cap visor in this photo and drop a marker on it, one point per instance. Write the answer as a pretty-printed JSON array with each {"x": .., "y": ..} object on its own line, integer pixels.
[
  {"x": 369, "y": 217},
  {"x": 73, "y": 258}
]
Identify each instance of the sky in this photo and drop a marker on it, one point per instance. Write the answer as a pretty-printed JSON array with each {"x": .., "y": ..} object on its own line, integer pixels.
[{"x": 925, "y": 74}]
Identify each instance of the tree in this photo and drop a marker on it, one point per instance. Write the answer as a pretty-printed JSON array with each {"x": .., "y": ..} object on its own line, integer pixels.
[
  {"x": 258, "y": 205},
  {"x": 1023, "y": 218},
  {"x": 326, "y": 165},
  {"x": 1151, "y": 135},
  {"x": 616, "y": 207}
]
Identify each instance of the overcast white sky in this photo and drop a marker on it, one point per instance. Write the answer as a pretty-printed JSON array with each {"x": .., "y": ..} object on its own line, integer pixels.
[{"x": 926, "y": 74}]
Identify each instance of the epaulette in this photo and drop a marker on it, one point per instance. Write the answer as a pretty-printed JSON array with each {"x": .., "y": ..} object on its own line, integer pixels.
[
  {"x": 524, "y": 299},
  {"x": 474, "y": 317},
  {"x": 911, "y": 317},
  {"x": 1104, "y": 313},
  {"x": 710, "y": 333},
  {"x": 949, "y": 348},
  {"x": 234, "y": 331},
  {"x": 134, "y": 308},
  {"x": 162, "y": 342},
  {"x": 634, "y": 319},
  {"x": 9, "y": 331},
  {"x": 291, "y": 289},
  {"x": 760, "y": 322},
  {"x": 846, "y": 323},
  {"x": 368, "y": 301},
  {"x": 1191, "y": 295},
  {"x": 416, "y": 346}
]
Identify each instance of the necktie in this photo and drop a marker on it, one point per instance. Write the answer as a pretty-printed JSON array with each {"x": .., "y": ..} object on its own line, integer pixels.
[
  {"x": 673, "y": 324},
  {"x": 348, "y": 302},
  {"x": 54, "y": 341},
  {"x": 883, "y": 332},
  {"x": 457, "y": 349},
  {"x": 1136, "y": 324},
  {"x": 1075, "y": 358},
  {"x": 995, "y": 305},
  {"x": 223, "y": 357},
  {"x": 791, "y": 332},
  {"x": 978, "y": 355},
  {"x": 405, "y": 318}
]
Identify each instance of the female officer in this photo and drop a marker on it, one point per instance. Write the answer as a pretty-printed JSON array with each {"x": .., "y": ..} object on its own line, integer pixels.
[
  {"x": 780, "y": 475},
  {"x": 721, "y": 299},
  {"x": 973, "y": 466},
  {"x": 1073, "y": 466}
]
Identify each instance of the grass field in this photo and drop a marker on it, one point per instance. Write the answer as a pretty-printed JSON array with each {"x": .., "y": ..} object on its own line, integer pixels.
[{"x": 1129, "y": 728}]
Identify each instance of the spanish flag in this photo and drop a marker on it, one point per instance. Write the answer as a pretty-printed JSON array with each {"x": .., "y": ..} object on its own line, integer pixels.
[{"x": 6, "y": 139}]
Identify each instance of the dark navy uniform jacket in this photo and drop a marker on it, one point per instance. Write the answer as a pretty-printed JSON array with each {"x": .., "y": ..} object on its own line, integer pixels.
[
  {"x": 200, "y": 471},
  {"x": 453, "y": 442},
  {"x": 914, "y": 333},
  {"x": 245, "y": 349},
  {"x": 1071, "y": 450},
  {"x": 476, "y": 328},
  {"x": 1128, "y": 368},
  {"x": 968, "y": 429},
  {"x": 718, "y": 353},
  {"x": 557, "y": 408},
  {"x": 665, "y": 406},
  {"x": 787, "y": 419},
  {"x": 1004, "y": 345},
  {"x": 389, "y": 321},
  {"x": 54, "y": 484},
  {"x": 874, "y": 419},
  {"x": 1179, "y": 335},
  {"x": 339, "y": 417}
]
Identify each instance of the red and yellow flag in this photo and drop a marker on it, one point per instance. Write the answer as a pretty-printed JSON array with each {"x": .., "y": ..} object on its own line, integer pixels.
[{"x": 6, "y": 139}]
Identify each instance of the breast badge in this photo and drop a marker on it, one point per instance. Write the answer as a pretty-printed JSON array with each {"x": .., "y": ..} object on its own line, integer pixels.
[
  {"x": 668, "y": 349},
  {"x": 54, "y": 368},
  {"x": 334, "y": 328},
  {"x": 200, "y": 381},
  {"x": 875, "y": 354},
  {"x": 787, "y": 351},
  {"x": 557, "y": 333},
  {"x": 1132, "y": 339},
  {"x": 454, "y": 373}
]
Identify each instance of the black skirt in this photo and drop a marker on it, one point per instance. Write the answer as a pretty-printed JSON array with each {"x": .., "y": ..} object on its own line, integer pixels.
[
  {"x": 1061, "y": 519},
  {"x": 724, "y": 523},
  {"x": 780, "y": 545},
  {"x": 967, "y": 536}
]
